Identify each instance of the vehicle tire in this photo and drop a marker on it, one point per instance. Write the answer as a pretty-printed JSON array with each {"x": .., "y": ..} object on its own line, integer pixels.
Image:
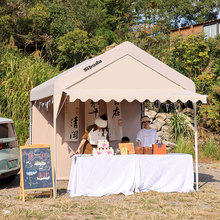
[{"x": 9, "y": 179}]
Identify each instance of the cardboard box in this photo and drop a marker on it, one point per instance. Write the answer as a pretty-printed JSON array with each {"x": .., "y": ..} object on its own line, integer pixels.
[
  {"x": 123, "y": 151},
  {"x": 139, "y": 150},
  {"x": 129, "y": 146},
  {"x": 148, "y": 150}
]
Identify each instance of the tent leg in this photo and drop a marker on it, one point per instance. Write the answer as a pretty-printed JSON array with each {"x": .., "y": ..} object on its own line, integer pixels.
[
  {"x": 30, "y": 124},
  {"x": 196, "y": 148},
  {"x": 55, "y": 148}
]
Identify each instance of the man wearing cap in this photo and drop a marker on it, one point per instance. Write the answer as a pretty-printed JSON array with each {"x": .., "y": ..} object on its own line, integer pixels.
[
  {"x": 147, "y": 135},
  {"x": 95, "y": 132}
]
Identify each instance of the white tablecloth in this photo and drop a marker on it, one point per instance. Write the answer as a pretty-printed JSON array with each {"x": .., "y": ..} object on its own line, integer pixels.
[
  {"x": 104, "y": 175},
  {"x": 165, "y": 173}
]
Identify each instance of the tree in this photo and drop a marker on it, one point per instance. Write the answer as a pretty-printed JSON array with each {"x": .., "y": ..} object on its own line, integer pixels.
[
  {"x": 199, "y": 59},
  {"x": 110, "y": 19},
  {"x": 151, "y": 31},
  {"x": 76, "y": 46},
  {"x": 186, "y": 12},
  {"x": 190, "y": 56},
  {"x": 7, "y": 23}
]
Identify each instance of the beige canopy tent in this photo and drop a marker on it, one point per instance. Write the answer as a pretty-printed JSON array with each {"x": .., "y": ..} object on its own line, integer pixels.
[{"x": 126, "y": 74}]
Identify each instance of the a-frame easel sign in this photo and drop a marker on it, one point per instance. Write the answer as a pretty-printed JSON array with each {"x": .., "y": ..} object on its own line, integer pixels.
[{"x": 37, "y": 173}]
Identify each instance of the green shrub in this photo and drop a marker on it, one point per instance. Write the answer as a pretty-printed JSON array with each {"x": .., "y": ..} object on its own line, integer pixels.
[
  {"x": 179, "y": 126},
  {"x": 184, "y": 145},
  {"x": 211, "y": 149}
]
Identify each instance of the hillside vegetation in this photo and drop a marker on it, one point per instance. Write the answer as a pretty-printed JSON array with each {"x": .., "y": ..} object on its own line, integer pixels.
[{"x": 39, "y": 39}]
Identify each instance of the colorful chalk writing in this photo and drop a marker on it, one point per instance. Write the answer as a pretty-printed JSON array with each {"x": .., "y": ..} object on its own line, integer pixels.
[{"x": 37, "y": 169}]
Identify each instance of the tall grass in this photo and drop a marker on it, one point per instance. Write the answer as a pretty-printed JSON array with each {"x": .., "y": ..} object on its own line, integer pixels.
[
  {"x": 184, "y": 145},
  {"x": 18, "y": 75},
  {"x": 211, "y": 149}
]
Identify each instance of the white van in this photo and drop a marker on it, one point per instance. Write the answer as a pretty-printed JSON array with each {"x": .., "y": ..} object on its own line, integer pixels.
[{"x": 9, "y": 151}]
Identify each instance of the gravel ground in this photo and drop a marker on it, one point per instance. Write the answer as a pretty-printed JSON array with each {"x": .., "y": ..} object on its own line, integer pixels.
[{"x": 209, "y": 175}]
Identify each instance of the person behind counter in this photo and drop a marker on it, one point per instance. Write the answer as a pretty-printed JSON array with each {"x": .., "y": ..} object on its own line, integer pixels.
[
  {"x": 125, "y": 140},
  {"x": 95, "y": 132},
  {"x": 147, "y": 135}
]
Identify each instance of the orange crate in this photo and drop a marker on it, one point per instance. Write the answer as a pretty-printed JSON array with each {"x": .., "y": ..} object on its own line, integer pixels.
[
  {"x": 139, "y": 150},
  {"x": 159, "y": 149},
  {"x": 147, "y": 150}
]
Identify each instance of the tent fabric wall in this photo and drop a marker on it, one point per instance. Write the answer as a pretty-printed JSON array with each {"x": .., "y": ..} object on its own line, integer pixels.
[{"x": 42, "y": 125}]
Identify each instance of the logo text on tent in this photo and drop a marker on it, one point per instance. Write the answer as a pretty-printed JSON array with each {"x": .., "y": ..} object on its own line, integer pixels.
[{"x": 93, "y": 65}]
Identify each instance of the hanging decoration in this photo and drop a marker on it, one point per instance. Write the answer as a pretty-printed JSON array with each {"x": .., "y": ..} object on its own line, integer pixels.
[
  {"x": 159, "y": 104},
  {"x": 91, "y": 112},
  {"x": 47, "y": 104},
  {"x": 167, "y": 107},
  {"x": 114, "y": 120},
  {"x": 175, "y": 105},
  {"x": 72, "y": 121}
]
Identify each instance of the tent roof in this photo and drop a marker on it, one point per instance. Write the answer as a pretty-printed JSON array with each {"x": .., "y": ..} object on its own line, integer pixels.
[{"x": 124, "y": 72}]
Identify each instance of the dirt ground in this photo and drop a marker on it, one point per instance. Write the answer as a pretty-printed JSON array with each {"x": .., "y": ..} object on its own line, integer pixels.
[{"x": 209, "y": 180}]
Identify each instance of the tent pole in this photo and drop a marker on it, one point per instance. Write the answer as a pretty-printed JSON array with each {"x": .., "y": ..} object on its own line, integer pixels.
[
  {"x": 30, "y": 123},
  {"x": 55, "y": 145},
  {"x": 196, "y": 148},
  {"x": 61, "y": 106}
]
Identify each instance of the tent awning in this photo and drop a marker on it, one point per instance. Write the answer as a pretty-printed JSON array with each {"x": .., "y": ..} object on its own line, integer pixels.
[{"x": 138, "y": 94}]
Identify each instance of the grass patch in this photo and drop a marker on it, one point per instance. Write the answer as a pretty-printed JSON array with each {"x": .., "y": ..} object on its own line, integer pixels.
[
  {"x": 184, "y": 146},
  {"x": 211, "y": 149},
  {"x": 151, "y": 205},
  {"x": 148, "y": 205}
]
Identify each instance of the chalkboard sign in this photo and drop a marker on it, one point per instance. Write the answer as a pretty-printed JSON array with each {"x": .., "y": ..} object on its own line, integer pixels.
[{"x": 36, "y": 168}]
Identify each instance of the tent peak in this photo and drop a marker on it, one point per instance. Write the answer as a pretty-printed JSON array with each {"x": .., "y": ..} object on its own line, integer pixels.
[{"x": 113, "y": 59}]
